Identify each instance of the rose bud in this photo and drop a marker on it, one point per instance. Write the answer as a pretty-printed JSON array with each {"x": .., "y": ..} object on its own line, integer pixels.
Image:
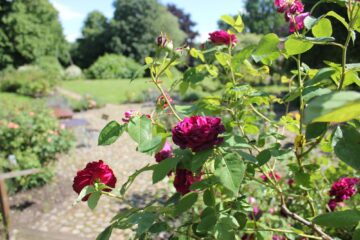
[
  {"x": 164, "y": 42},
  {"x": 94, "y": 172}
]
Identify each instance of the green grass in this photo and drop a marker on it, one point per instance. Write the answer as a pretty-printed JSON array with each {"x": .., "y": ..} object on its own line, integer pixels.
[
  {"x": 15, "y": 98},
  {"x": 111, "y": 91}
]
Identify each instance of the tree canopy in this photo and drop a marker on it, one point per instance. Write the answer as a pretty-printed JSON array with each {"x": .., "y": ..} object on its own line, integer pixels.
[
  {"x": 94, "y": 40},
  {"x": 29, "y": 30},
  {"x": 261, "y": 18}
]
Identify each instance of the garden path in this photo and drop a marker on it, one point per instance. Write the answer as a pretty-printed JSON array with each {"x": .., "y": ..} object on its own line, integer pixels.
[{"x": 49, "y": 212}]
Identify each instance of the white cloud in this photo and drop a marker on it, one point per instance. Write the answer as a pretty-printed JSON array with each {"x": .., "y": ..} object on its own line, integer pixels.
[{"x": 66, "y": 13}]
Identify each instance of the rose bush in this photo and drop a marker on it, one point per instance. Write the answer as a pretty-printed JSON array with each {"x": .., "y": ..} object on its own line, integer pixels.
[{"x": 237, "y": 171}]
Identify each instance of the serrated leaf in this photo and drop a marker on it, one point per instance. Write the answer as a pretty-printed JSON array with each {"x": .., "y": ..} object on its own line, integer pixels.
[
  {"x": 322, "y": 28},
  {"x": 110, "y": 133},
  {"x": 263, "y": 157},
  {"x": 186, "y": 203},
  {"x": 162, "y": 169},
  {"x": 294, "y": 46},
  {"x": 339, "y": 219},
  {"x": 230, "y": 170},
  {"x": 346, "y": 144},
  {"x": 143, "y": 220},
  {"x": 333, "y": 107},
  {"x": 267, "y": 49},
  {"x": 93, "y": 200},
  {"x": 106, "y": 234}
]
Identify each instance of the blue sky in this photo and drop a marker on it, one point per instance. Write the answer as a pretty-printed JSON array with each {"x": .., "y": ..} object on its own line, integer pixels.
[{"x": 204, "y": 12}]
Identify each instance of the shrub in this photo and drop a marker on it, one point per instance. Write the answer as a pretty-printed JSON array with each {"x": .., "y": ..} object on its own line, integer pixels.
[
  {"x": 29, "y": 81},
  {"x": 111, "y": 66},
  {"x": 73, "y": 72},
  {"x": 30, "y": 137},
  {"x": 51, "y": 66},
  {"x": 87, "y": 102}
]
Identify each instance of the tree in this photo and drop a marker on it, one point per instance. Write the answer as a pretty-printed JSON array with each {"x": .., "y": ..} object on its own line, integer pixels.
[
  {"x": 29, "y": 29},
  {"x": 94, "y": 40},
  {"x": 136, "y": 25},
  {"x": 186, "y": 24},
  {"x": 261, "y": 18}
]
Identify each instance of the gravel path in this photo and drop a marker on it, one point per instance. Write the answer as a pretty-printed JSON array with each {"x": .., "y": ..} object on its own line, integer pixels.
[{"x": 50, "y": 210}]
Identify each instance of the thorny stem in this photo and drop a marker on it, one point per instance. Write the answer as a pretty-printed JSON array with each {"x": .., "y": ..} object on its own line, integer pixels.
[
  {"x": 156, "y": 81},
  {"x": 346, "y": 45}
]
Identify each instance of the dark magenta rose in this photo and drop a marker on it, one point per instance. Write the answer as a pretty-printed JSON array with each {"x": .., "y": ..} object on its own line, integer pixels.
[
  {"x": 164, "y": 153},
  {"x": 289, "y": 6},
  {"x": 332, "y": 204},
  {"x": 198, "y": 133},
  {"x": 94, "y": 172},
  {"x": 184, "y": 179},
  {"x": 344, "y": 188},
  {"x": 222, "y": 37}
]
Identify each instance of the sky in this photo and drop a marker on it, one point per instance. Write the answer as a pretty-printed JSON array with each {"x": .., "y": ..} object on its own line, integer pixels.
[{"x": 204, "y": 12}]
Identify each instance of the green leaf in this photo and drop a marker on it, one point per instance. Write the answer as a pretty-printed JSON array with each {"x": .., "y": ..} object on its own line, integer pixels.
[
  {"x": 311, "y": 92},
  {"x": 339, "y": 18},
  {"x": 322, "y": 28},
  {"x": 209, "y": 198},
  {"x": 199, "y": 159},
  {"x": 223, "y": 58},
  {"x": 93, "y": 200},
  {"x": 162, "y": 169},
  {"x": 144, "y": 221},
  {"x": 208, "y": 220},
  {"x": 106, "y": 234},
  {"x": 356, "y": 235},
  {"x": 247, "y": 157},
  {"x": 321, "y": 75},
  {"x": 141, "y": 131},
  {"x": 85, "y": 191},
  {"x": 239, "y": 24},
  {"x": 341, "y": 219},
  {"x": 315, "y": 130},
  {"x": 159, "y": 227},
  {"x": 110, "y": 133},
  {"x": 267, "y": 49},
  {"x": 346, "y": 143},
  {"x": 239, "y": 58},
  {"x": 224, "y": 230},
  {"x": 228, "y": 19},
  {"x": 294, "y": 46},
  {"x": 310, "y": 21},
  {"x": 205, "y": 183},
  {"x": 186, "y": 203},
  {"x": 334, "y": 107},
  {"x": 230, "y": 170},
  {"x": 263, "y": 157}
]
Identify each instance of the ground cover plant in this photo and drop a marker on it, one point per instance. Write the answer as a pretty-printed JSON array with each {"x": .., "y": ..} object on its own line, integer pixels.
[
  {"x": 238, "y": 173},
  {"x": 30, "y": 137}
]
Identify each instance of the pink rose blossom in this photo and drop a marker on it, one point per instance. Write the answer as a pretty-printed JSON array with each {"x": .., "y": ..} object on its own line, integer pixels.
[{"x": 289, "y": 6}]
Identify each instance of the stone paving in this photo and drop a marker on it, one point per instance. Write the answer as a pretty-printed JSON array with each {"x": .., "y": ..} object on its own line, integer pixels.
[{"x": 52, "y": 210}]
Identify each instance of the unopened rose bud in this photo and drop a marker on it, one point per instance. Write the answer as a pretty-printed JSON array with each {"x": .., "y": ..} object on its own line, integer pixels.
[{"x": 164, "y": 42}]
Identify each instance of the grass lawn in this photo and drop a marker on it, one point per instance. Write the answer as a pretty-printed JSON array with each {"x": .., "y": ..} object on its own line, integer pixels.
[
  {"x": 111, "y": 91},
  {"x": 15, "y": 98}
]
